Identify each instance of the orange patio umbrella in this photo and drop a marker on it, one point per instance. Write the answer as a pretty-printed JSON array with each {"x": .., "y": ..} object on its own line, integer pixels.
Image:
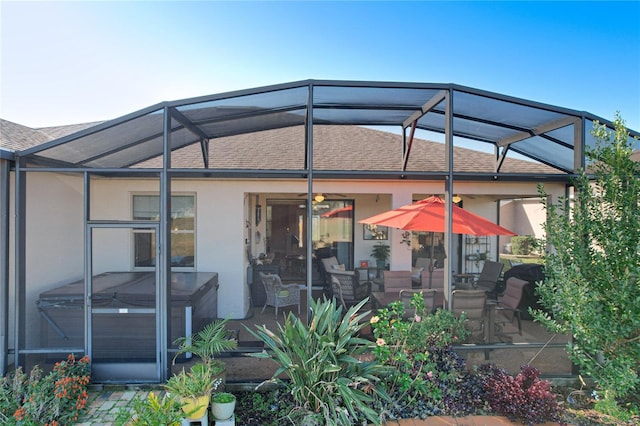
[
  {"x": 428, "y": 215},
  {"x": 342, "y": 212}
]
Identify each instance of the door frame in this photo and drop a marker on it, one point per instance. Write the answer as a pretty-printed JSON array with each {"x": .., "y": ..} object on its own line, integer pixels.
[{"x": 151, "y": 372}]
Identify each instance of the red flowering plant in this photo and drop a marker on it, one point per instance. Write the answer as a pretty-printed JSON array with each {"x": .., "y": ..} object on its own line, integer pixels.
[{"x": 55, "y": 399}]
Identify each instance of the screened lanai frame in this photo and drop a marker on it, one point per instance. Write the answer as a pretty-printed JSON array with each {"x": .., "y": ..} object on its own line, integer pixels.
[{"x": 547, "y": 134}]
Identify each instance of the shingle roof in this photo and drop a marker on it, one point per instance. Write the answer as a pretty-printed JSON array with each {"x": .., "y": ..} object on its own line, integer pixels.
[
  {"x": 16, "y": 137},
  {"x": 56, "y": 132},
  {"x": 337, "y": 148}
]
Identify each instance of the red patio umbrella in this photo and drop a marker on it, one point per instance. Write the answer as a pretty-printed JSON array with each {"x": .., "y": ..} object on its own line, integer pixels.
[
  {"x": 428, "y": 215},
  {"x": 343, "y": 212}
]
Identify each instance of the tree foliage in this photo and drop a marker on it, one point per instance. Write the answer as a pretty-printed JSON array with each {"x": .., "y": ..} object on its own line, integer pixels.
[{"x": 592, "y": 286}]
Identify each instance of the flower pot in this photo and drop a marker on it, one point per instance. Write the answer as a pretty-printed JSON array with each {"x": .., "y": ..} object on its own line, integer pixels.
[
  {"x": 195, "y": 408},
  {"x": 223, "y": 410}
]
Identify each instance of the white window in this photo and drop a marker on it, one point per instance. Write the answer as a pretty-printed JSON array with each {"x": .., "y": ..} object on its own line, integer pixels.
[{"x": 147, "y": 207}]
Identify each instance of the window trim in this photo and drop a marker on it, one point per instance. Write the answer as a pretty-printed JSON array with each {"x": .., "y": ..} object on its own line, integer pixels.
[{"x": 182, "y": 231}]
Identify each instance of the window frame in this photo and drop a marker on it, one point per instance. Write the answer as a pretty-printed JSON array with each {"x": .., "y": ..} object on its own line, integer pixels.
[{"x": 193, "y": 195}]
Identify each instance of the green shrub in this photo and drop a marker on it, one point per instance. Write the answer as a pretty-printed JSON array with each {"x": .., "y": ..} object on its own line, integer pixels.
[
  {"x": 424, "y": 370},
  {"x": 523, "y": 245},
  {"x": 592, "y": 289},
  {"x": 420, "y": 332},
  {"x": 329, "y": 378}
]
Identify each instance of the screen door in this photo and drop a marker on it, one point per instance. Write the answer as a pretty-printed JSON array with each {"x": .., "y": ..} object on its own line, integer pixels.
[{"x": 123, "y": 326}]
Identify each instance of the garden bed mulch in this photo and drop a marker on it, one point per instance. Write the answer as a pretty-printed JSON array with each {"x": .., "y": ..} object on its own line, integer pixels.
[{"x": 458, "y": 421}]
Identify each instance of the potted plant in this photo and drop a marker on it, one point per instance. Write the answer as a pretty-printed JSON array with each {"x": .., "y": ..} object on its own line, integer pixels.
[
  {"x": 222, "y": 405},
  {"x": 380, "y": 252},
  {"x": 193, "y": 389},
  {"x": 206, "y": 344}
]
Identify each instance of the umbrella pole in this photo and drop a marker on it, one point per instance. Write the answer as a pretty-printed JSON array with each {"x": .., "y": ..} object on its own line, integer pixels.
[{"x": 431, "y": 259}]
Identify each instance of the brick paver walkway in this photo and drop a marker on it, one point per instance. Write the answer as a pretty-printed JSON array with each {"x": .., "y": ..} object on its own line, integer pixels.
[{"x": 104, "y": 405}]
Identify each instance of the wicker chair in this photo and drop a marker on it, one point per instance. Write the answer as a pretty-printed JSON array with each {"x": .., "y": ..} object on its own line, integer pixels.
[
  {"x": 327, "y": 265},
  {"x": 347, "y": 287},
  {"x": 278, "y": 294}
]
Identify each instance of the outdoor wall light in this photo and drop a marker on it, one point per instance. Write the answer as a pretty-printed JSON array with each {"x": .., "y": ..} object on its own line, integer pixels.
[
  {"x": 319, "y": 198},
  {"x": 456, "y": 199},
  {"x": 258, "y": 211},
  {"x": 258, "y": 214}
]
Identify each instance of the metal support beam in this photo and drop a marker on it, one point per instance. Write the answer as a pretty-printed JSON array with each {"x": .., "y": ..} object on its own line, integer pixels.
[
  {"x": 405, "y": 156},
  {"x": 540, "y": 130},
  {"x": 448, "y": 193},
  {"x": 428, "y": 106},
  {"x": 413, "y": 122},
  {"x": 188, "y": 124},
  {"x": 309, "y": 166},
  {"x": 88, "y": 256},
  {"x": 204, "y": 147},
  {"x": 20, "y": 206},
  {"x": 163, "y": 263},
  {"x": 578, "y": 145},
  {"x": 501, "y": 157},
  {"x": 5, "y": 173}
]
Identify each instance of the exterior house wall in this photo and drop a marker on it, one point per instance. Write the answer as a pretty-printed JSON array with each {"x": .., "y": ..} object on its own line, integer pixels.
[
  {"x": 54, "y": 239},
  {"x": 524, "y": 217},
  {"x": 55, "y": 225}
]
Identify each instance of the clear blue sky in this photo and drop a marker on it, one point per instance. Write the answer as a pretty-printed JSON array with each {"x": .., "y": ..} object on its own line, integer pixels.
[{"x": 73, "y": 62}]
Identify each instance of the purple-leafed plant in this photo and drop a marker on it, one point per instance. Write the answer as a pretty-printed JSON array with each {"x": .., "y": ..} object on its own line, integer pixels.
[{"x": 524, "y": 397}]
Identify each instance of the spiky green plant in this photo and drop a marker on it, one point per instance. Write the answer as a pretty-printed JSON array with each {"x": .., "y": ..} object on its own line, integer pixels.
[
  {"x": 208, "y": 342},
  {"x": 328, "y": 377}
]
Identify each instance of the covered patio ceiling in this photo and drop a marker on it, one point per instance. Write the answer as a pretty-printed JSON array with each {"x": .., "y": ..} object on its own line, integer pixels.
[{"x": 550, "y": 135}]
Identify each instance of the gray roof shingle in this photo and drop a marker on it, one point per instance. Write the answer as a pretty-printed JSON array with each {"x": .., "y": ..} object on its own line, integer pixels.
[
  {"x": 335, "y": 148},
  {"x": 16, "y": 137}
]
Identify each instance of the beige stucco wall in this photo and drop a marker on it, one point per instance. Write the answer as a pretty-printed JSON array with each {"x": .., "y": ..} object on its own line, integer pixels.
[
  {"x": 524, "y": 216},
  {"x": 54, "y": 239},
  {"x": 55, "y": 225}
]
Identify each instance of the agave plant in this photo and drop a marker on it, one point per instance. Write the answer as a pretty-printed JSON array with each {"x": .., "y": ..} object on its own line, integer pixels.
[{"x": 327, "y": 376}]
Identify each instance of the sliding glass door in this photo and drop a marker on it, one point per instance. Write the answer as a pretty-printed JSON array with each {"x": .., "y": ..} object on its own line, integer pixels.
[{"x": 332, "y": 231}]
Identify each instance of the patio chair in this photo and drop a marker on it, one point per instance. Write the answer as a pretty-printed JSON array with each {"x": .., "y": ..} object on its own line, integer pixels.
[
  {"x": 488, "y": 278},
  {"x": 348, "y": 288},
  {"x": 434, "y": 280},
  {"x": 429, "y": 297},
  {"x": 279, "y": 295},
  {"x": 422, "y": 264},
  {"x": 473, "y": 303},
  {"x": 327, "y": 265},
  {"x": 394, "y": 281},
  {"x": 509, "y": 302}
]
